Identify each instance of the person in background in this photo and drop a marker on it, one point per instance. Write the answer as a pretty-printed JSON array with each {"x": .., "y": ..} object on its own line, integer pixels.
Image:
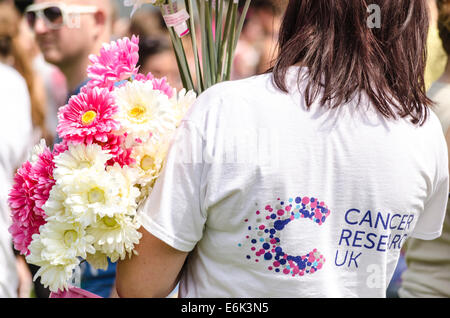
[
  {"x": 157, "y": 57},
  {"x": 67, "y": 32},
  {"x": 14, "y": 53},
  {"x": 269, "y": 13},
  {"x": 437, "y": 58},
  {"x": 156, "y": 53},
  {"x": 257, "y": 47},
  {"x": 52, "y": 78},
  {"x": 148, "y": 22},
  {"x": 435, "y": 66},
  {"x": 428, "y": 262},
  {"x": 16, "y": 133}
]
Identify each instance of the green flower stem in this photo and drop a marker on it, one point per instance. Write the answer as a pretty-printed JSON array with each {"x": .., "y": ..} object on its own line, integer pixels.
[
  {"x": 180, "y": 54},
  {"x": 181, "y": 60},
  {"x": 183, "y": 79},
  {"x": 219, "y": 25},
  {"x": 205, "y": 56},
  {"x": 190, "y": 6},
  {"x": 231, "y": 42},
  {"x": 210, "y": 40},
  {"x": 223, "y": 43},
  {"x": 241, "y": 22},
  {"x": 217, "y": 49}
]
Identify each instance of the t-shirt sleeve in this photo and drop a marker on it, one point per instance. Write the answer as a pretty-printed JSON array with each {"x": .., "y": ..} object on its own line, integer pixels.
[
  {"x": 173, "y": 211},
  {"x": 430, "y": 223}
]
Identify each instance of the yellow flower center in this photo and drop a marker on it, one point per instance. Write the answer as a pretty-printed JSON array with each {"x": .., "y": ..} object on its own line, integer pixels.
[
  {"x": 146, "y": 163},
  {"x": 84, "y": 164},
  {"x": 109, "y": 222},
  {"x": 96, "y": 195},
  {"x": 70, "y": 237},
  {"x": 137, "y": 113},
  {"x": 88, "y": 117}
]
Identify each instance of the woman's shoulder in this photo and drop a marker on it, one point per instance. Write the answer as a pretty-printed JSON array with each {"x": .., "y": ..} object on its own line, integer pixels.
[
  {"x": 230, "y": 95},
  {"x": 241, "y": 87}
]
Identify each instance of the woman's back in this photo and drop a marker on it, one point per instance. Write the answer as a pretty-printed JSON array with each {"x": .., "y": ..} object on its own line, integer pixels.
[
  {"x": 311, "y": 192},
  {"x": 298, "y": 203}
]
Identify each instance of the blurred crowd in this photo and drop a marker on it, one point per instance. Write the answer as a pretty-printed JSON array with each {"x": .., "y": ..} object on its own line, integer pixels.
[{"x": 49, "y": 59}]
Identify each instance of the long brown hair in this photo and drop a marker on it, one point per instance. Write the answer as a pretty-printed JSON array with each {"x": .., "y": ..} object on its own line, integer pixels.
[
  {"x": 345, "y": 56},
  {"x": 11, "y": 48}
]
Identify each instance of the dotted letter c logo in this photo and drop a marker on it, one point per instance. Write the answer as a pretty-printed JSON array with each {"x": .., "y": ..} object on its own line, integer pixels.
[{"x": 266, "y": 244}]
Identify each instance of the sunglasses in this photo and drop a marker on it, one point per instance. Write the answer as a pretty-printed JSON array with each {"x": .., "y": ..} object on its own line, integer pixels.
[{"x": 57, "y": 15}]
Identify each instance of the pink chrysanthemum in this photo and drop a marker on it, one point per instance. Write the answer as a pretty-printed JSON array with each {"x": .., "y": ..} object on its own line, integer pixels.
[
  {"x": 117, "y": 62},
  {"x": 43, "y": 174},
  {"x": 163, "y": 86},
  {"x": 115, "y": 145},
  {"x": 144, "y": 78},
  {"x": 160, "y": 84},
  {"x": 60, "y": 148},
  {"x": 31, "y": 189},
  {"x": 88, "y": 116},
  {"x": 25, "y": 222}
]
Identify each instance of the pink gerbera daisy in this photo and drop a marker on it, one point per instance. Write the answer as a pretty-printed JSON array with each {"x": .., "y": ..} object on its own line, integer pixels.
[
  {"x": 25, "y": 222},
  {"x": 115, "y": 145},
  {"x": 117, "y": 62},
  {"x": 31, "y": 189},
  {"x": 60, "y": 148},
  {"x": 160, "y": 84},
  {"x": 43, "y": 174},
  {"x": 88, "y": 116},
  {"x": 163, "y": 86}
]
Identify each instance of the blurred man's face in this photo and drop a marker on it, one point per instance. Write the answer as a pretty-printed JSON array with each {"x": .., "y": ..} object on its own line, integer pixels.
[{"x": 62, "y": 43}]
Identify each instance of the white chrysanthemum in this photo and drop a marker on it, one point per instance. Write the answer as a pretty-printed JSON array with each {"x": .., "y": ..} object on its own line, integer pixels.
[
  {"x": 64, "y": 241},
  {"x": 56, "y": 277},
  {"x": 55, "y": 207},
  {"x": 149, "y": 159},
  {"x": 80, "y": 158},
  {"x": 127, "y": 177},
  {"x": 143, "y": 110},
  {"x": 80, "y": 199},
  {"x": 98, "y": 260},
  {"x": 37, "y": 151},
  {"x": 182, "y": 102},
  {"x": 115, "y": 236},
  {"x": 92, "y": 194},
  {"x": 145, "y": 192}
]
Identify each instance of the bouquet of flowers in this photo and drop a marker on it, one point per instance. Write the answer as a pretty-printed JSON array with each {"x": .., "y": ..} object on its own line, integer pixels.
[
  {"x": 220, "y": 26},
  {"x": 79, "y": 201}
]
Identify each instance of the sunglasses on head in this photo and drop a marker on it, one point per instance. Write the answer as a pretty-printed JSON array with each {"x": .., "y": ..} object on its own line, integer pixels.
[{"x": 56, "y": 15}]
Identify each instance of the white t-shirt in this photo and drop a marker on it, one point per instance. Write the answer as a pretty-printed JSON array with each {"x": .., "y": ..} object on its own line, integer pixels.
[
  {"x": 15, "y": 133},
  {"x": 274, "y": 200}
]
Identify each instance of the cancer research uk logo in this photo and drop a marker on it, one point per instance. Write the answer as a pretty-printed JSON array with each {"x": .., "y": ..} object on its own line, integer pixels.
[
  {"x": 362, "y": 232},
  {"x": 265, "y": 236}
]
